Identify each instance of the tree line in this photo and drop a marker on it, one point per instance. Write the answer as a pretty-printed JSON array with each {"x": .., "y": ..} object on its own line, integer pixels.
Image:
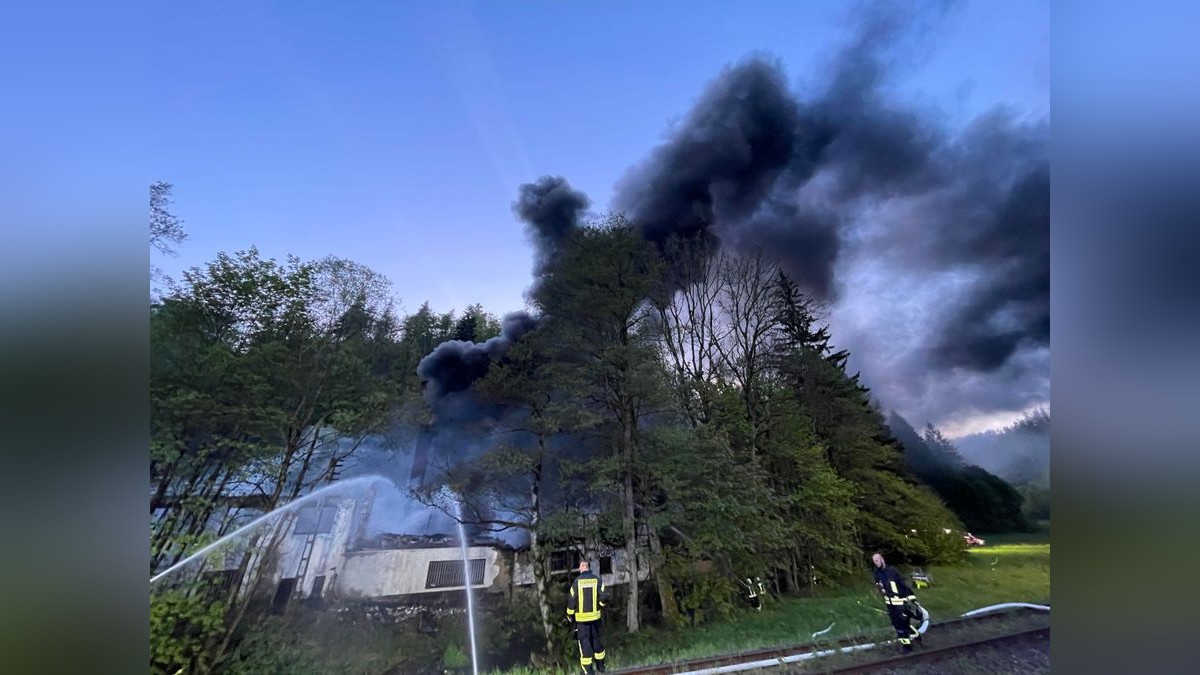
[{"x": 699, "y": 412}]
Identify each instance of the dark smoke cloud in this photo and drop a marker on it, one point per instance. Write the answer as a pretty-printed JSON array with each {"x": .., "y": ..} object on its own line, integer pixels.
[
  {"x": 552, "y": 210},
  {"x": 716, "y": 179},
  {"x": 985, "y": 220},
  {"x": 845, "y": 183},
  {"x": 804, "y": 239},
  {"x": 873, "y": 148},
  {"x": 452, "y": 366},
  {"x": 856, "y": 195},
  {"x": 1009, "y": 305},
  {"x": 759, "y": 169},
  {"x": 724, "y": 159},
  {"x": 984, "y": 196},
  {"x": 931, "y": 243}
]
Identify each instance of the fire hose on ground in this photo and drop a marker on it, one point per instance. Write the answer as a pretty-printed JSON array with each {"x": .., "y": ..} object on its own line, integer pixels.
[{"x": 807, "y": 656}]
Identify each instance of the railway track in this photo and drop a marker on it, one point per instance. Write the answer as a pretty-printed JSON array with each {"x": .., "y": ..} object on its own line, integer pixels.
[
  {"x": 924, "y": 657},
  {"x": 777, "y": 654}
]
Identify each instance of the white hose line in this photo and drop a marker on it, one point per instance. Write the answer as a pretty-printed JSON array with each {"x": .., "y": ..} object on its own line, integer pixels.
[
  {"x": 796, "y": 658},
  {"x": 768, "y": 663},
  {"x": 1006, "y": 605},
  {"x": 807, "y": 656},
  {"x": 822, "y": 632}
]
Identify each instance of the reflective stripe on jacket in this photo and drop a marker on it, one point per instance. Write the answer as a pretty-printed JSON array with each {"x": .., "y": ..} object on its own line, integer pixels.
[{"x": 588, "y": 595}]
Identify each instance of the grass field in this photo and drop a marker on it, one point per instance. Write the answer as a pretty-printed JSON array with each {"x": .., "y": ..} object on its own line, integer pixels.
[{"x": 1009, "y": 568}]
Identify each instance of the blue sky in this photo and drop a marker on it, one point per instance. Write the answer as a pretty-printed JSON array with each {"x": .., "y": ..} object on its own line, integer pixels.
[{"x": 396, "y": 133}]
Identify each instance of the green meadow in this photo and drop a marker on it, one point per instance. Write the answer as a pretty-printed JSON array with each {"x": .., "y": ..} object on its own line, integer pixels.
[{"x": 1008, "y": 568}]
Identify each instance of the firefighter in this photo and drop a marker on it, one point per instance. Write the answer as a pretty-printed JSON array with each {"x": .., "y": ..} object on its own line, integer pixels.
[
  {"x": 757, "y": 590},
  {"x": 588, "y": 596},
  {"x": 755, "y": 601},
  {"x": 900, "y": 601}
]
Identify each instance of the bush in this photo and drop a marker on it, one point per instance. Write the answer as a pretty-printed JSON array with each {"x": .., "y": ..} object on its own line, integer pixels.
[
  {"x": 184, "y": 625},
  {"x": 454, "y": 658}
]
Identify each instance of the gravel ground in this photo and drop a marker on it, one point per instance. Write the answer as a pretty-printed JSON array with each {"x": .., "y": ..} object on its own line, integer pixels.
[{"x": 1029, "y": 655}]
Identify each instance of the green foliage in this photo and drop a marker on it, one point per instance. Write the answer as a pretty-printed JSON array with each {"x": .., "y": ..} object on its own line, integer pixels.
[
  {"x": 1020, "y": 573},
  {"x": 509, "y": 630},
  {"x": 255, "y": 366},
  {"x": 264, "y": 377},
  {"x": 420, "y": 332},
  {"x": 704, "y": 591},
  {"x": 270, "y": 650},
  {"x": 476, "y": 325},
  {"x": 604, "y": 341},
  {"x": 985, "y": 502},
  {"x": 454, "y": 657},
  {"x": 184, "y": 622},
  {"x": 859, "y": 449},
  {"x": 314, "y": 643},
  {"x": 721, "y": 503},
  {"x": 818, "y": 507},
  {"x": 754, "y": 453},
  {"x": 716, "y": 512}
]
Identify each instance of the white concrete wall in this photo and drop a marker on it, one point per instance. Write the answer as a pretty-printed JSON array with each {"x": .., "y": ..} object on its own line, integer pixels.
[
  {"x": 327, "y": 554},
  {"x": 376, "y": 574},
  {"x": 621, "y": 574}
]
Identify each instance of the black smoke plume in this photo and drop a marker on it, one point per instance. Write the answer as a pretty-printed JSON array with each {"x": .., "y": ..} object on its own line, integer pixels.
[
  {"x": 1009, "y": 305},
  {"x": 760, "y": 169},
  {"x": 829, "y": 180},
  {"x": 722, "y": 162},
  {"x": 755, "y": 167},
  {"x": 552, "y": 210},
  {"x": 454, "y": 365}
]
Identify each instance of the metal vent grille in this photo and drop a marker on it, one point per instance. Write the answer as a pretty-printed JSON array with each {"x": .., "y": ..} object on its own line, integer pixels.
[{"x": 449, "y": 573}]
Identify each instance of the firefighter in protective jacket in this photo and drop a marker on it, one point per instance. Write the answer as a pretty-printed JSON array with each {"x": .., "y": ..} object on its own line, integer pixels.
[
  {"x": 588, "y": 596},
  {"x": 900, "y": 601}
]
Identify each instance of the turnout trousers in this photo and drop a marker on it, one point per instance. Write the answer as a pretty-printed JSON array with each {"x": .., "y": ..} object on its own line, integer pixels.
[
  {"x": 591, "y": 648},
  {"x": 905, "y": 631}
]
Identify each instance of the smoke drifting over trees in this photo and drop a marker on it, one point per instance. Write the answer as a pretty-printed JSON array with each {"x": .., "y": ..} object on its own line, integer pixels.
[
  {"x": 758, "y": 168},
  {"x": 552, "y": 210},
  {"x": 453, "y": 365},
  {"x": 856, "y": 196},
  {"x": 675, "y": 380},
  {"x": 1019, "y": 453}
]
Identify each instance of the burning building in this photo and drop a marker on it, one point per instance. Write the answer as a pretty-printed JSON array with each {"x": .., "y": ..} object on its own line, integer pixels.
[{"x": 326, "y": 553}]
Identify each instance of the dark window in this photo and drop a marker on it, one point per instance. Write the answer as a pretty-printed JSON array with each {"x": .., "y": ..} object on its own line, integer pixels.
[
  {"x": 564, "y": 561},
  {"x": 606, "y": 564},
  {"x": 283, "y": 594},
  {"x": 449, "y": 573},
  {"x": 219, "y": 583},
  {"x": 311, "y": 520}
]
